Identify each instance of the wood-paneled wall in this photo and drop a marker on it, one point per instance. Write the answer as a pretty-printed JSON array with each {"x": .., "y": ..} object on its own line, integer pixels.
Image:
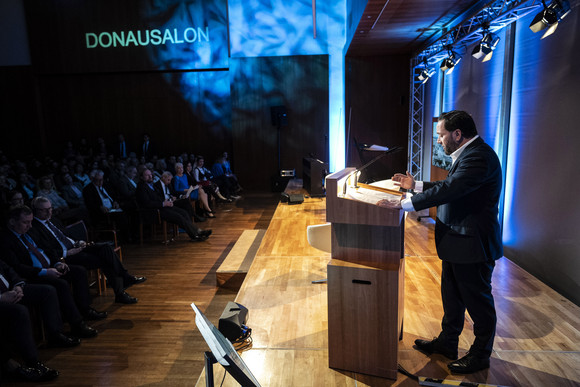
[{"x": 377, "y": 110}]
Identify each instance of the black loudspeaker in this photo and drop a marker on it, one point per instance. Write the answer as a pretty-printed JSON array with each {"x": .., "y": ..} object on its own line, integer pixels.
[
  {"x": 279, "y": 183},
  {"x": 292, "y": 198},
  {"x": 232, "y": 321},
  {"x": 279, "y": 116},
  {"x": 313, "y": 173}
]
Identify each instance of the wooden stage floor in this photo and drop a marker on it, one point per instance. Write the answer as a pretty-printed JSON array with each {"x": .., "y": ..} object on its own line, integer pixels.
[{"x": 156, "y": 343}]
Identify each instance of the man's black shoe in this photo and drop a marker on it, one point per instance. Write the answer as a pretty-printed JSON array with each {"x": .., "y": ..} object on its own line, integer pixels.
[
  {"x": 435, "y": 346},
  {"x": 124, "y": 298},
  {"x": 132, "y": 280},
  {"x": 83, "y": 330},
  {"x": 469, "y": 364},
  {"x": 32, "y": 374},
  {"x": 198, "y": 238},
  {"x": 61, "y": 340},
  {"x": 205, "y": 233},
  {"x": 95, "y": 315},
  {"x": 45, "y": 372}
]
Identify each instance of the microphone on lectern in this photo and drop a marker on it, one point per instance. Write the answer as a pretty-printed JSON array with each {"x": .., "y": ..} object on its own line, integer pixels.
[{"x": 384, "y": 151}]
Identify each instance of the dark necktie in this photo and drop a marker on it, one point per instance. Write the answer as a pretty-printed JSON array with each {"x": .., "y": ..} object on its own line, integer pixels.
[
  {"x": 4, "y": 285},
  {"x": 44, "y": 262},
  {"x": 60, "y": 236}
]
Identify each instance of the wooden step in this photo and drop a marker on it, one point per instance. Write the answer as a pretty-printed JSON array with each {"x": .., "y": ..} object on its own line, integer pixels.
[{"x": 235, "y": 266}]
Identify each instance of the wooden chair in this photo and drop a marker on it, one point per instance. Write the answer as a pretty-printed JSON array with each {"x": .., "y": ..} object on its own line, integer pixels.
[
  {"x": 79, "y": 231},
  {"x": 152, "y": 217}
]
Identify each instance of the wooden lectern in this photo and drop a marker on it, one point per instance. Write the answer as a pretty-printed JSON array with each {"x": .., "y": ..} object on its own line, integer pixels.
[{"x": 365, "y": 283}]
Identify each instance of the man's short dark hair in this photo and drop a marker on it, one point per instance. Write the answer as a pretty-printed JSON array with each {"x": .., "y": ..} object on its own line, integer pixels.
[
  {"x": 459, "y": 119},
  {"x": 16, "y": 212}
]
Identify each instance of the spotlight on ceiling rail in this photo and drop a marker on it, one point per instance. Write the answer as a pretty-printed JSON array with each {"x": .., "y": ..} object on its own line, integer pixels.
[
  {"x": 486, "y": 46},
  {"x": 449, "y": 63},
  {"x": 426, "y": 73},
  {"x": 549, "y": 17}
]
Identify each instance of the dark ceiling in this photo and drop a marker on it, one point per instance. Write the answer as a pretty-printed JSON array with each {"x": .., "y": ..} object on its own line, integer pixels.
[{"x": 407, "y": 26}]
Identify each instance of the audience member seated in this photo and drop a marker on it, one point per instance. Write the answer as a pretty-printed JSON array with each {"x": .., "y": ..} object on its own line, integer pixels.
[
  {"x": 104, "y": 211},
  {"x": 72, "y": 192},
  {"x": 125, "y": 187},
  {"x": 16, "y": 327},
  {"x": 160, "y": 167},
  {"x": 42, "y": 297},
  {"x": 81, "y": 176},
  {"x": 22, "y": 253},
  {"x": 149, "y": 198},
  {"x": 181, "y": 184},
  {"x": 50, "y": 236},
  {"x": 61, "y": 208},
  {"x": 226, "y": 183},
  {"x": 228, "y": 171},
  {"x": 26, "y": 185},
  {"x": 164, "y": 187},
  {"x": 203, "y": 176}
]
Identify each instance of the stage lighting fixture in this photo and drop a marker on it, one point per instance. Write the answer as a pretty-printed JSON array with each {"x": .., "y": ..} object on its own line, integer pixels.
[
  {"x": 486, "y": 46},
  {"x": 450, "y": 62},
  {"x": 549, "y": 17},
  {"x": 425, "y": 74}
]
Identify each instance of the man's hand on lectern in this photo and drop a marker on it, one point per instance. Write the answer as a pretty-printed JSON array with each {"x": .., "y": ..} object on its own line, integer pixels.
[
  {"x": 394, "y": 205},
  {"x": 404, "y": 181}
]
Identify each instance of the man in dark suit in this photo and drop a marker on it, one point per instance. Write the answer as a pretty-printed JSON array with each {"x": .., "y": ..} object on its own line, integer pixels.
[
  {"x": 23, "y": 255},
  {"x": 146, "y": 148},
  {"x": 165, "y": 188},
  {"x": 50, "y": 236},
  {"x": 103, "y": 208},
  {"x": 148, "y": 197},
  {"x": 467, "y": 237},
  {"x": 122, "y": 150},
  {"x": 16, "y": 327}
]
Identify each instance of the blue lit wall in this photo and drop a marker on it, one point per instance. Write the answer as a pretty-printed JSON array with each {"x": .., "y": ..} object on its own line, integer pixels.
[
  {"x": 543, "y": 178},
  {"x": 262, "y": 28}
]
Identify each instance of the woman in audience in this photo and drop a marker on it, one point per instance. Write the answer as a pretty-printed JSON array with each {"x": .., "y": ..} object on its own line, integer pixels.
[
  {"x": 203, "y": 176},
  {"x": 181, "y": 184}
]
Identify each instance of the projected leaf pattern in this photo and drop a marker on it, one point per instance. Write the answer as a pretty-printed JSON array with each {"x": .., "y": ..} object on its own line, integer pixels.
[{"x": 257, "y": 28}]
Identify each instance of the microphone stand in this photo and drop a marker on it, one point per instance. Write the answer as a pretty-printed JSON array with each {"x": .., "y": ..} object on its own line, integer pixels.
[
  {"x": 356, "y": 171},
  {"x": 392, "y": 150}
]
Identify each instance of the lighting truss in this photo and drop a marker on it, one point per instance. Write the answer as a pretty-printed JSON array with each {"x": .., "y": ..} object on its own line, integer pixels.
[{"x": 496, "y": 15}]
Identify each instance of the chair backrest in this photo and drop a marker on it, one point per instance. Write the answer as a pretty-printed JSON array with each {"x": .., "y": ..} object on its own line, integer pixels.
[{"x": 77, "y": 231}]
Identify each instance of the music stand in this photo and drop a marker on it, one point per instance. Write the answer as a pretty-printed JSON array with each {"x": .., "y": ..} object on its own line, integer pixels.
[{"x": 221, "y": 351}]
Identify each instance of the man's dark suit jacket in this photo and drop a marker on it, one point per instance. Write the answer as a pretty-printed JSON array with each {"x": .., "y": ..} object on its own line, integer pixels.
[
  {"x": 125, "y": 189},
  {"x": 147, "y": 197},
  {"x": 10, "y": 275},
  {"x": 93, "y": 202},
  {"x": 15, "y": 254},
  {"x": 44, "y": 238},
  {"x": 467, "y": 228}
]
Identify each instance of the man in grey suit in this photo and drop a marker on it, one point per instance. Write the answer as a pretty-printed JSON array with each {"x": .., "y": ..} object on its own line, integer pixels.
[{"x": 467, "y": 237}]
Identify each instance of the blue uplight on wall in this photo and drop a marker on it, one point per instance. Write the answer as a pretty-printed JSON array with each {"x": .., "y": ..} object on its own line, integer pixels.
[{"x": 524, "y": 99}]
